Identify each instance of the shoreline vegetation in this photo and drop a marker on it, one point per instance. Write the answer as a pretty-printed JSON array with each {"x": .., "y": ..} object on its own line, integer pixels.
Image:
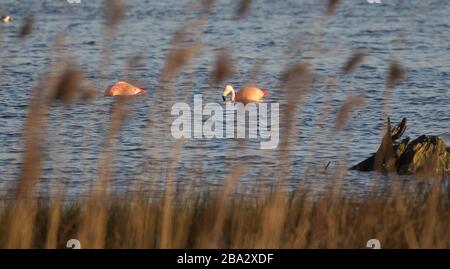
[
  {"x": 183, "y": 219},
  {"x": 217, "y": 220}
]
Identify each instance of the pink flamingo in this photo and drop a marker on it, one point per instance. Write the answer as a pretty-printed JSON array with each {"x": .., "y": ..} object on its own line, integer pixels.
[
  {"x": 246, "y": 95},
  {"x": 124, "y": 89}
]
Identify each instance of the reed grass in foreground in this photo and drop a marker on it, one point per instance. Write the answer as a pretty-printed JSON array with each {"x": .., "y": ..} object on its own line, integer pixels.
[{"x": 277, "y": 220}]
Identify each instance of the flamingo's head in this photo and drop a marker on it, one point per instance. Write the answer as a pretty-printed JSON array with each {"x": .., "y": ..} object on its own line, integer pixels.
[
  {"x": 226, "y": 91},
  {"x": 6, "y": 18},
  {"x": 141, "y": 91}
]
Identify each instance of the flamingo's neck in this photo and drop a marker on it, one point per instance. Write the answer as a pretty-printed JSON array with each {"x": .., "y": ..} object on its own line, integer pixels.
[{"x": 233, "y": 95}]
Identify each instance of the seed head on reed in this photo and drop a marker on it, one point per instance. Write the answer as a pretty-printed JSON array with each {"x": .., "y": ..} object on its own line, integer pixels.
[
  {"x": 178, "y": 37},
  {"x": 134, "y": 61},
  {"x": 243, "y": 8},
  {"x": 223, "y": 68},
  {"x": 349, "y": 105},
  {"x": 395, "y": 74},
  {"x": 331, "y": 6},
  {"x": 26, "y": 27},
  {"x": 115, "y": 11},
  {"x": 58, "y": 43},
  {"x": 355, "y": 60},
  {"x": 179, "y": 57},
  {"x": 88, "y": 91},
  {"x": 295, "y": 73},
  {"x": 68, "y": 85},
  {"x": 207, "y": 5},
  {"x": 256, "y": 70}
]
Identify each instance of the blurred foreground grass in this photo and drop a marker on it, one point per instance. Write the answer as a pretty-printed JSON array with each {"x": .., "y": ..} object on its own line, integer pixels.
[{"x": 277, "y": 220}]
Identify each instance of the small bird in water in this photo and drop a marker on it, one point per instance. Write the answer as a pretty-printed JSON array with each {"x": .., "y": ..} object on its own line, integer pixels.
[
  {"x": 6, "y": 19},
  {"x": 246, "y": 95},
  {"x": 123, "y": 88}
]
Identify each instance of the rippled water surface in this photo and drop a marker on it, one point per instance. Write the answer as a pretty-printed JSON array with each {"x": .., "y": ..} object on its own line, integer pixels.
[{"x": 274, "y": 34}]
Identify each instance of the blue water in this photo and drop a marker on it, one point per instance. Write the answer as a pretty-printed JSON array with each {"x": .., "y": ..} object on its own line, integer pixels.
[{"x": 274, "y": 34}]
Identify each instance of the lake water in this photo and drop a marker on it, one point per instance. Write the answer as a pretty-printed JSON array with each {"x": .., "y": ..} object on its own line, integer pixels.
[{"x": 416, "y": 33}]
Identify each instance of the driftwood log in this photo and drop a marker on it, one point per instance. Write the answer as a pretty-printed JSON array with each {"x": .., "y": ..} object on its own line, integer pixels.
[{"x": 425, "y": 154}]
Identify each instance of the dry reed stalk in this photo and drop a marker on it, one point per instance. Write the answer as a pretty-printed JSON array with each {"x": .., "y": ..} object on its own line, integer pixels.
[
  {"x": 207, "y": 5},
  {"x": 94, "y": 214},
  {"x": 244, "y": 223},
  {"x": 183, "y": 220},
  {"x": 21, "y": 220},
  {"x": 58, "y": 88},
  {"x": 349, "y": 105},
  {"x": 319, "y": 29},
  {"x": 167, "y": 212},
  {"x": 92, "y": 230},
  {"x": 255, "y": 72},
  {"x": 214, "y": 240},
  {"x": 137, "y": 224},
  {"x": 223, "y": 68},
  {"x": 68, "y": 86},
  {"x": 273, "y": 219},
  {"x": 396, "y": 73},
  {"x": 179, "y": 57},
  {"x": 54, "y": 222},
  {"x": 181, "y": 54},
  {"x": 296, "y": 79},
  {"x": 332, "y": 6},
  {"x": 324, "y": 112},
  {"x": 114, "y": 12},
  {"x": 132, "y": 63},
  {"x": 302, "y": 227},
  {"x": 430, "y": 226},
  {"x": 354, "y": 61},
  {"x": 34, "y": 127},
  {"x": 22, "y": 215},
  {"x": 27, "y": 26},
  {"x": 243, "y": 8}
]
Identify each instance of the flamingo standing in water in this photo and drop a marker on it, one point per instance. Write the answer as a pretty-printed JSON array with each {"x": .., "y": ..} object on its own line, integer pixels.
[
  {"x": 124, "y": 89},
  {"x": 246, "y": 95}
]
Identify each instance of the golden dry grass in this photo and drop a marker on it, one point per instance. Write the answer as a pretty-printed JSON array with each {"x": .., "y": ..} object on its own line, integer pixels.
[{"x": 277, "y": 220}]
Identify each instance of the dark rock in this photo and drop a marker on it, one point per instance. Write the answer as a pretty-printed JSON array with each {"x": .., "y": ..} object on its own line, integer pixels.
[
  {"x": 398, "y": 130},
  {"x": 426, "y": 154}
]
